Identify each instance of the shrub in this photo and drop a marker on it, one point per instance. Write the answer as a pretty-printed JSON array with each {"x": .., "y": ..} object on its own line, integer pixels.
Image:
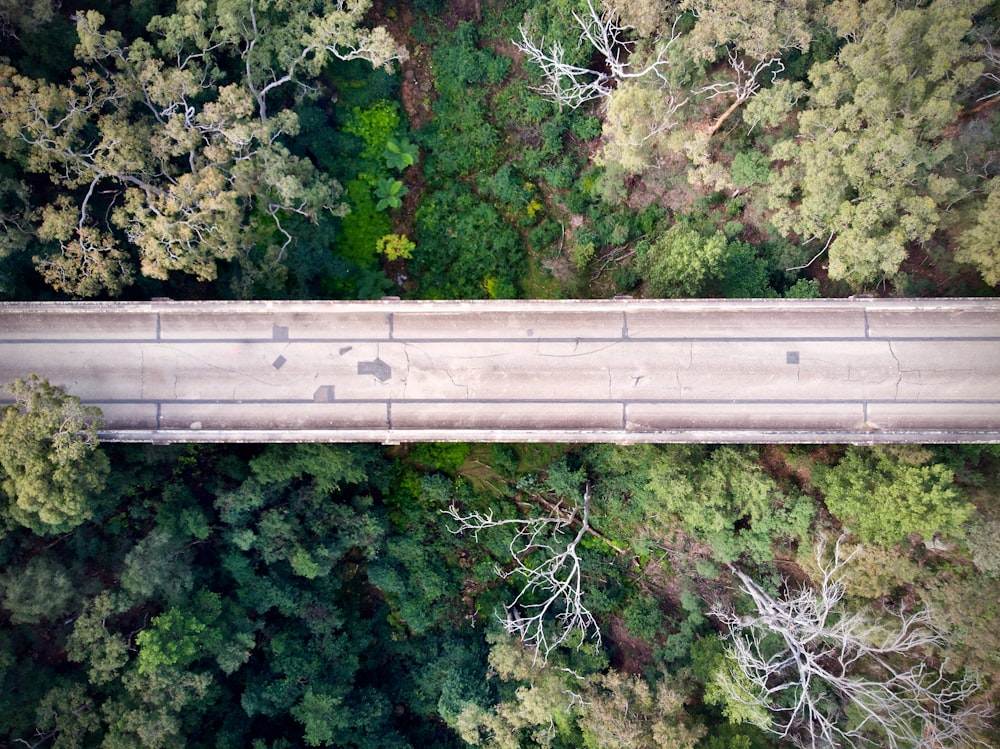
[
  {"x": 395, "y": 247},
  {"x": 464, "y": 242},
  {"x": 680, "y": 262},
  {"x": 390, "y": 193},
  {"x": 400, "y": 154},
  {"x": 375, "y": 126}
]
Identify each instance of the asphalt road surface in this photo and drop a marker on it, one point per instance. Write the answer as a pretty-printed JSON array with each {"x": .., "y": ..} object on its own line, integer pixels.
[{"x": 565, "y": 371}]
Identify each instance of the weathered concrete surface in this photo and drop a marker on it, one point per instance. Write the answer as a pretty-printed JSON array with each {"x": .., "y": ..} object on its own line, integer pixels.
[{"x": 619, "y": 370}]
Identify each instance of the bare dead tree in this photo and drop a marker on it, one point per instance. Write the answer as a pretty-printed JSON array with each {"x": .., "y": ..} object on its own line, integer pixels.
[
  {"x": 742, "y": 83},
  {"x": 549, "y": 610},
  {"x": 830, "y": 677},
  {"x": 573, "y": 85},
  {"x": 991, "y": 71}
]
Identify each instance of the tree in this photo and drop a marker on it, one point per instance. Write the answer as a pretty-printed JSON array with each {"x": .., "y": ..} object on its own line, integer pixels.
[
  {"x": 884, "y": 499},
  {"x": 41, "y": 589},
  {"x": 180, "y": 636},
  {"x": 680, "y": 261},
  {"x": 622, "y": 712},
  {"x": 181, "y": 139},
  {"x": 572, "y": 85},
  {"x": 17, "y": 16},
  {"x": 862, "y": 173},
  {"x": 753, "y": 35},
  {"x": 545, "y": 554},
  {"x": 48, "y": 451},
  {"x": 977, "y": 244},
  {"x": 726, "y": 500},
  {"x": 827, "y": 676},
  {"x": 91, "y": 642}
]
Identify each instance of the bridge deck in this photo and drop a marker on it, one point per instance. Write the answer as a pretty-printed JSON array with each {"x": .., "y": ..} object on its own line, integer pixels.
[{"x": 621, "y": 370}]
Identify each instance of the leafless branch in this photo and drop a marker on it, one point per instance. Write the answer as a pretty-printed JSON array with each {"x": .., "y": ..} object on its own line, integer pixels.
[
  {"x": 991, "y": 57},
  {"x": 572, "y": 85},
  {"x": 549, "y": 610},
  {"x": 831, "y": 677}
]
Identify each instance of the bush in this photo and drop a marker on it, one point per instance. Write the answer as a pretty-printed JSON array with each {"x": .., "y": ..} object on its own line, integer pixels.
[
  {"x": 464, "y": 243},
  {"x": 544, "y": 237},
  {"x": 585, "y": 128},
  {"x": 375, "y": 125},
  {"x": 680, "y": 262},
  {"x": 743, "y": 275},
  {"x": 362, "y": 227},
  {"x": 726, "y": 500}
]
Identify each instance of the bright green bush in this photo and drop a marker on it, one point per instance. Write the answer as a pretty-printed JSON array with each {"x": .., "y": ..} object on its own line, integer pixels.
[
  {"x": 375, "y": 125},
  {"x": 362, "y": 227}
]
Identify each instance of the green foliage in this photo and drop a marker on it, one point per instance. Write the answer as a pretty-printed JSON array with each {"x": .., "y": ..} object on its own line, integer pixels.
[
  {"x": 977, "y": 244},
  {"x": 726, "y": 500},
  {"x": 328, "y": 466},
  {"x": 400, "y": 154},
  {"x": 390, "y": 193},
  {"x": 464, "y": 242},
  {"x": 751, "y": 168},
  {"x": 52, "y": 467},
  {"x": 395, "y": 247},
  {"x": 742, "y": 274},
  {"x": 363, "y": 226},
  {"x": 644, "y": 618},
  {"x": 176, "y": 638},
  {"x": 377, "y": 126},
  {"x": 983, "y": 538},
  {"x": 462, "y": 139},
  {"x": 804, "y": 288},
  {"x": 864, "y": 170},
  {"x": 967, "y": 604},
  {"x": 585, "y": 128},
  {"x": 104, "y": 651},
  {"x": 680, "y": 262},
  {"x": 158, "y": 566},
  {"x": 884, "y": 499},
  {"x": 41, "y": 589},
  {"x": 440, "y": 456}
]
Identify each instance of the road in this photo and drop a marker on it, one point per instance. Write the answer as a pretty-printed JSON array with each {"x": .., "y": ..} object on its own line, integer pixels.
[{"x": 566, "y": 371}]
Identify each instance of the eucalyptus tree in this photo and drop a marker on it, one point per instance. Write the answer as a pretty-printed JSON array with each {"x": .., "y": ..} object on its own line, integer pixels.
[
  {"x": 176, "y": 144},
  {"x": 862, "y": 174}
]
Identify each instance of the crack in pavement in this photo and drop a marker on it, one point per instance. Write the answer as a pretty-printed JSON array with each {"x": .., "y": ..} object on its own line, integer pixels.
[
  {"x": 451, "y": 377},
  {"x": 899, "y": 370}
]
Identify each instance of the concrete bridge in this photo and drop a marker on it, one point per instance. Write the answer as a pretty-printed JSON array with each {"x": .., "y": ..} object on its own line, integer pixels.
[{"x": 856, "y": 370}]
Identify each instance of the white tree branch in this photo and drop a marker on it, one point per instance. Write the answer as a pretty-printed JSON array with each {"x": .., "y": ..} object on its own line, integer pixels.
[
  {"x": 549, "y": 610},
  {"x": 811, "y": 662}
]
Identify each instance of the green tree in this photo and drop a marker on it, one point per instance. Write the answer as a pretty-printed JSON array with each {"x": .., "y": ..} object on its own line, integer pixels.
[
  {"x": 623, "y": 712},
  {"x": 41, "y": 589},
  {"x": 48, "y": 451},
  {"x": 862, "y": 173},
  {"x": 679, "y": 262},
  {"x": 978, "y": 243},
  {"x": 727, "y": 500},
  {"x": 104, "y": 652},
  {"x": 883, "y": 499}
]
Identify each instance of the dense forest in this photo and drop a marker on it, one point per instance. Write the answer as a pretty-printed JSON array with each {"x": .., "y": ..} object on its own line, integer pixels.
[{"x": 454, "y": 595}]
